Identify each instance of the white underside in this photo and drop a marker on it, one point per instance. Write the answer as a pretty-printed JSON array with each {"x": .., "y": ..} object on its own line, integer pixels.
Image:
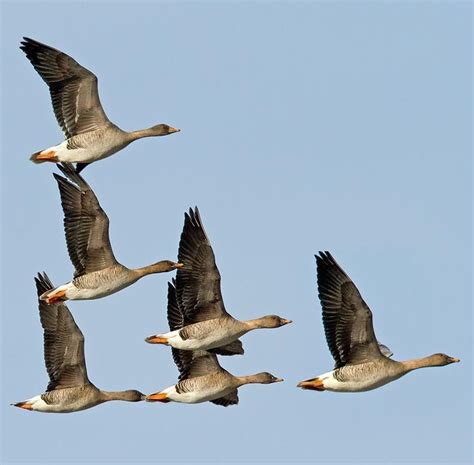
[
  {"x": 79, "y": 155},
  {"x": 332, "y": 384},
  {"x": 210, "y": 341},
  {"x": 203, "y": 395},
  {"x": 39, "y": 405},
  {"x": 74, "y": 293}
]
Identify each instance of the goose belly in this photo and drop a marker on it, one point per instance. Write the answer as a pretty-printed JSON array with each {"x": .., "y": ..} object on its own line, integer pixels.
[
  {"x": 205, "y": 335},
  {"x": 204, "y": 394},
  {"x": 79, "y": 155},
  {"x": 97, "y": 284},
  {"x": 38, "y": 404},
  {"x": 355, "y": 379},
  {"x": 210, "y": 341},
  {"x": 75, "y": 293},
  {"x": 90, "y": 146}
]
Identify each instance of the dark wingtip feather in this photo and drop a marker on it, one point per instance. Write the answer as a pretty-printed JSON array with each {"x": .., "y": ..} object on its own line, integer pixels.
[
  {"x": 71, "y": 174},
  {"x": 172, "y": 285},
  {"x": 31, "y": 48},
  {"x": 26, "y": 43},
  {"x": 43, "y": 283},
  {"x": 325, "y": 258},
  {"x": 80, "y": 167}
]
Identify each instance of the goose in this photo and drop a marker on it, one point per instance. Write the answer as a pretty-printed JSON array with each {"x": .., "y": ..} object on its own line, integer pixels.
[
  {"x": 360, "y": 365},
  {"x": 201, "y": 377},
  {"x": 69, "y": 388},
  {"x": 97, "y": 272},
  {"x": 206, "y": 325},
  {"x": 89, "y": 135}
]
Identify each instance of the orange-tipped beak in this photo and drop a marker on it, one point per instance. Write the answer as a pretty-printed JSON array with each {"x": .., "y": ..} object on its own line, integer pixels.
[
  {"x": 24, "y": 405},
  {"x": 158, "y": 397},
  {"x": 157, "y": 340},
  {"x": 171, "y": 130},
  {"x": 315, "y": 384}
]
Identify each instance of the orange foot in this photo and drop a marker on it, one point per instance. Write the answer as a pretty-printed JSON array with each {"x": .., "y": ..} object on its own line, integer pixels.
[
  {"x": 45, "y": 155},
  {"x": 157, "y": 340},
  {"x": 315, "y": 384},
  {"x": 25, "y": 405},
  {"x": 158, "y": 397},
  {"x": 55, "y": 297}
]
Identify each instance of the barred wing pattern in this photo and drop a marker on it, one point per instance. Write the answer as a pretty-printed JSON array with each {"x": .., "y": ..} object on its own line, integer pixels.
[
  {"x": 63, "y": 342},
  {"x": 73, "y": 88},
  {"x": 85, "y": 223},
  {"x": 347, "y": 318}
]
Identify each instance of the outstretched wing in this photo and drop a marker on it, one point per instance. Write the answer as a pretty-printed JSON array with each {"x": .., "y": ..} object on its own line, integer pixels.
[
  {"x": 198, "y": 283},
  {"x": 347, "y": 318},
  {"x": 63, "y": 342},
  {"x": 182, "y": 358},
  {"x": 73, "y": 88},
  {"x": 229, "y": 399},
  {"x": 85, "y": 223}
]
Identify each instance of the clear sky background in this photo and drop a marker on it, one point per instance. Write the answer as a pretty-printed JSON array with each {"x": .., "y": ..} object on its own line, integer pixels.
[{"x": 306, "y": 126}]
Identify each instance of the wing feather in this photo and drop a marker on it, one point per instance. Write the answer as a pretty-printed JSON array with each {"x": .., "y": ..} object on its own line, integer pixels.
[
  {"x": 73, "y": 88},
  {"x": 63, "y": 342},
  {"x": 347, "y": 318},
  {"x": 198, "y": 283},
  {"x": 86, "y": 225}
]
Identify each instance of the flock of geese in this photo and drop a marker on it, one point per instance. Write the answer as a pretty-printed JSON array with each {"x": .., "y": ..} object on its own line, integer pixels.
[{"x": 200, "y": 328}]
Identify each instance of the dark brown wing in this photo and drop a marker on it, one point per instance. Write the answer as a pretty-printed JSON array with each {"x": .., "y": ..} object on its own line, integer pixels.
[
  {"x": 233, "y": 348},
  {"x": 198, "y": 282},
  {"x": 63, "y": 342},
  {"x": 182, "y": 358},
  {"x": 73, "y": 88},
  {"x": 347, "y": 318},
  {"x": 229, "y": 399},
  {"x": 203, "y": 363},
  {"x": 85, "y": 223}
]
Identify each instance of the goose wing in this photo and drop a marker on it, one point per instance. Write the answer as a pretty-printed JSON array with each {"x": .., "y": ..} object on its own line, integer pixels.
[
  {"x": 73, "y": 88},
  {"x": 347, "y": 318},
  {"x": 229, "y": 399},
  {"x": 182, "y": 358},
  {"x": 199, "y": 365},
  {"x": 202, "y": 364},
  {"x": 198, "y": 283},
  {"x": 63, "y": 342},
  {"x": 85, "y": 223}
]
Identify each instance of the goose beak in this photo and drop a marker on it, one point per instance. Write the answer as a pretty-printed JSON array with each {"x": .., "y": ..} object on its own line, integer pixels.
[
  {"x": 171, "y": 130},
  {"x": 455, "y": 360},
  {"x": 284, "y": 321},
  {"x": 279, "y": 380},
  {"x": 179, "y": 265}
]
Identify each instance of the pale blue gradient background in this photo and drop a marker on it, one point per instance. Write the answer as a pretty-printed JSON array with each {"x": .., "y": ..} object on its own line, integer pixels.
[{"x": 305, "y": 126}]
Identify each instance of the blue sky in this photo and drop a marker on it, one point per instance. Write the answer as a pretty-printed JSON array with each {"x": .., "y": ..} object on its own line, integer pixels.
[{"x": 306, "y": 126}]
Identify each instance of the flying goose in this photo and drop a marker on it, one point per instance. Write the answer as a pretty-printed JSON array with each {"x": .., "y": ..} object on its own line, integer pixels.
[
  {"x": 69, "y": 388},
  {"x": 97, "y": 272},
  {"x": 89, "y": 134},
  {"x": 201, "y": 377},
  {"x": 360, "y": 363},
  {"x": 206, "y": 325}
]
